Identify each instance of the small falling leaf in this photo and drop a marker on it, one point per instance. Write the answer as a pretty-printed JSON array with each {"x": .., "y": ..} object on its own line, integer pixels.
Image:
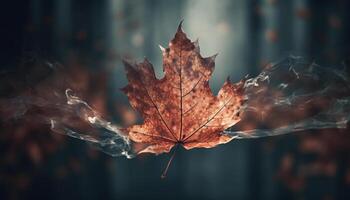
[
  {"x": 303, "y": 13},
  {"x": 271, "y": 35}
]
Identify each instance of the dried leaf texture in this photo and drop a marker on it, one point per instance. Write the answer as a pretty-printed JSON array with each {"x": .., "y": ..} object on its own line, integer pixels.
[{"x": 180, "y": 107}]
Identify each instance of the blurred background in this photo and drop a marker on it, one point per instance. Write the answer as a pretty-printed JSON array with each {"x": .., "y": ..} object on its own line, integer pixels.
[{"x": 90, "y": 37}]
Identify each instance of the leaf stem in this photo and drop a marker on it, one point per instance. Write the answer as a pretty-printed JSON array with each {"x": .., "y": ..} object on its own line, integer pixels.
[{"x": 169, "y": 162}]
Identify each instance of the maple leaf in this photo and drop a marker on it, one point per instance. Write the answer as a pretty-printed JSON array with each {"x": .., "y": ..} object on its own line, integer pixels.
[{"x": 180, "y": 109}]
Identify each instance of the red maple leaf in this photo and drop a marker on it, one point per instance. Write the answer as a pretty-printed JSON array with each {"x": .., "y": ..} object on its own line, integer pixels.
[{"x": 180, "y": 109}]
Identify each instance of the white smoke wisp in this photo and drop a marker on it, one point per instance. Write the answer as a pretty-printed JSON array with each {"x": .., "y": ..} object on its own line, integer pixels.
[
  {"x": 41, "y": 98},
  {"x": 294, "y": 95},
  {"x": 110, "y": 138}
]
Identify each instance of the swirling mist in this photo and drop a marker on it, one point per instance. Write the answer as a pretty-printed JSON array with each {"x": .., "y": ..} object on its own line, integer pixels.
[
  {"x": 294, "y": 95},
  {"x": 287, "y": 96}
]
